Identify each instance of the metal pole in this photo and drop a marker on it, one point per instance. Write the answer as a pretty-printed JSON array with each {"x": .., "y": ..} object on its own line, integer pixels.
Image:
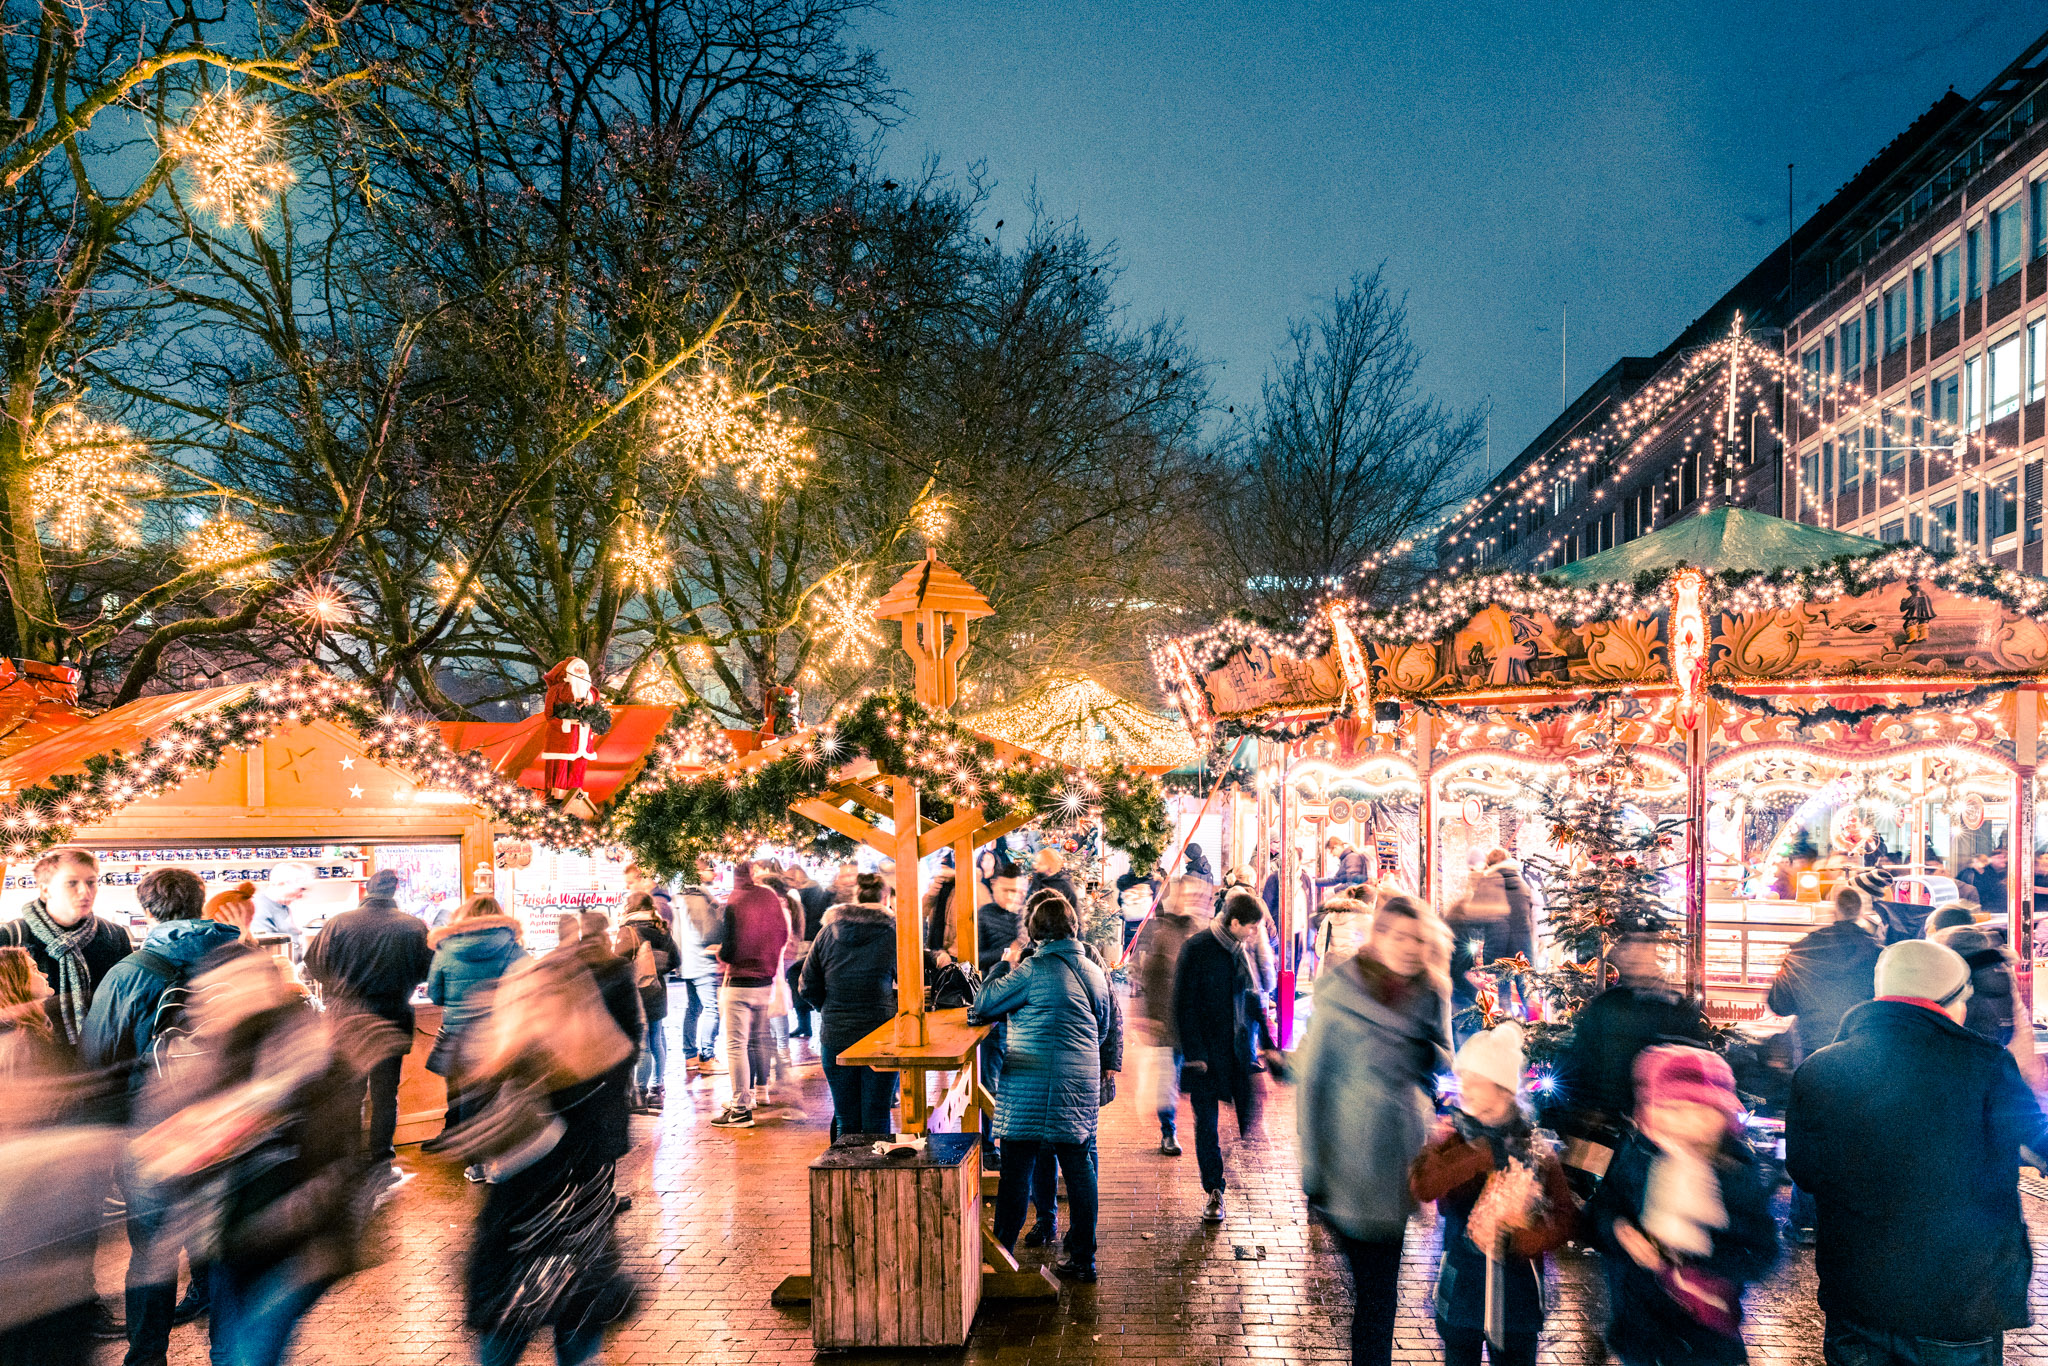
[
  {"x": 1286, "y": 909},
  {"x": 1696, "y": 854}
]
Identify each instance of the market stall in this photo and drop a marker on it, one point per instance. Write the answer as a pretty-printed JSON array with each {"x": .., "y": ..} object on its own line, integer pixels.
[{"x": 1812, "y": 706}]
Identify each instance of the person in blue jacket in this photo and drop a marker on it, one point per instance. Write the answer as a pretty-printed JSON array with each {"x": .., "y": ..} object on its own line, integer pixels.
[
  {"x": 1062, "y": 1044},
  {"x": 471, "y": 953}
]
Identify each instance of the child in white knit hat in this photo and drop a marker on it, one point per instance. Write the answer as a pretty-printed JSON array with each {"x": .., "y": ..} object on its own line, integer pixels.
[{"x": 1504, "y": 1201}]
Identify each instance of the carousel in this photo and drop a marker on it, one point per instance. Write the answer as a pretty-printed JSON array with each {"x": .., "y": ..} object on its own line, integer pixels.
[{"x": 1811, "y": 707}]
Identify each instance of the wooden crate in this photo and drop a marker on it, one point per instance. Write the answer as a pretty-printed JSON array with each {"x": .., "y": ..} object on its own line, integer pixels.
[{"x": 896, "y": 1244}]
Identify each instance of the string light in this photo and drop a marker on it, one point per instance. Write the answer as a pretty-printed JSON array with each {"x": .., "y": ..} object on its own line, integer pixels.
[
  {"x": 85, "y": 479},
  {"x": 222, "y": 541},
  {"x": 1074, "y": 719},
  {"x": 641, "y": 557},
  {"x": 708, "y": 426},
  {"x": 447, "y": 578},
  {"x": 932, "y": 517},
  {"x": 324, "y": 605},
  {"x": 227, "y": 146},
  {"x": 845, "y": 617}
]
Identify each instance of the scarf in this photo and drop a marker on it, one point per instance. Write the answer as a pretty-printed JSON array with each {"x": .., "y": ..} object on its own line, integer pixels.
[
  {"x": 67, "y": 950},
  {"x": 1682, "y": 1206}
]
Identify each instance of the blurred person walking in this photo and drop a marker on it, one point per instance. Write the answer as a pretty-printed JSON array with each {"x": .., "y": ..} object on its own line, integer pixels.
[
  {"x": 475, "y": 949},
  {"x": 1060, "y": 1053},
  {"x": 73, "y": 948},
  {"x": 812, "y": 901},
  {"x": 751, "y": 944},
  {"x": 1597, "y": 1075},
  {"x": 1994, "y": 1010},
  {"x": 850, "y": 977},
  {"x": 644, "y": 941},
  {"x": 53, "y": 1181},
  {"x": 368, "y": 961},
  {"x": 259, "y": 1125},
  {"x": 1910, "y": 1131},
  {"x": 1378, "y": 1035},
  {"x": 1049, "y": 873},
  {"x": 276, "y": 904},
  {"x": 1220, "y": 1024},
  {"x": 1154, "y": 963},
  {"x": 697, "y": 938},
  {"x": 135, "y": 1030}
]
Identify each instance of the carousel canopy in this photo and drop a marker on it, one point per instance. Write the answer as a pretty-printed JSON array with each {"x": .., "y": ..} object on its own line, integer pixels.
[
  {"x": 1074, "y": 719},
  {"x": 1723, "y": 539}
]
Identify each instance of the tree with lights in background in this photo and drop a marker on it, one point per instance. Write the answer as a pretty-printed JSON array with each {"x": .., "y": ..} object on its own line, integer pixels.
[{"x": 1606, "y": 882}]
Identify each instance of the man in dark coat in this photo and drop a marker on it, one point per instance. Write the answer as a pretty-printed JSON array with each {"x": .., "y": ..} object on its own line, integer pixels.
[
  {"x": 999, "y": 923},
  {"x": 371, "y": 959},
  {"x": 611, "y": 1095},
  {"x": 72, "y": 947},
  {"x": 1828, "y": 973},
  {"x": 1909, "y": 1130},
  {"x": 1217, "y": 1018},
  {"x": 1638, "y": 1010},
  {"x": 1049, "y": 872},
  {"x": 1154, "y": 959}
]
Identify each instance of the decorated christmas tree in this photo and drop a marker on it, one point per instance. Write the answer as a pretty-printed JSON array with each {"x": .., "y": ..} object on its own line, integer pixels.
[{"x": 1606, "y": 881}]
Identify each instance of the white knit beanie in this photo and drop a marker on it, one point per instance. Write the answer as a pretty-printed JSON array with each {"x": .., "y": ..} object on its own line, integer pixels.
[
  {"x": 1495, "y": 1054},
  {"x": 1923, "y": 970}
]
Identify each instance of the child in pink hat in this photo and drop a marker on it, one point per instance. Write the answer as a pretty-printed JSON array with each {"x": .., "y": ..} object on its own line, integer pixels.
[{"x": 1682, "y": 1216}]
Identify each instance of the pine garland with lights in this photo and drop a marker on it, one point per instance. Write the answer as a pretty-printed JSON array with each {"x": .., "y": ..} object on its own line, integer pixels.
[
  {"x": 1962, "y": 699},
  {"x": 726, "y": 814}
]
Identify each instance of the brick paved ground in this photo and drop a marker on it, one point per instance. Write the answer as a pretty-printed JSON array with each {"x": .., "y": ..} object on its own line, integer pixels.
[{"x": 719, "y": 1218}]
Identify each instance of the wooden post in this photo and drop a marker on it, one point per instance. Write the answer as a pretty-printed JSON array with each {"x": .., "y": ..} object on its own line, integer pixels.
[
  {"x": 967, "y": 947},
  {"x": 1425, "y": 834},
  {"x": 2019, "y": 843},
  {"x": 909, "y": 926}
]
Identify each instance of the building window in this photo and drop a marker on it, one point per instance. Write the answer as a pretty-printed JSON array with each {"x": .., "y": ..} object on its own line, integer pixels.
[
  {"x": 1973, "y": 393},
  {"x": 2007, "y": 372},
  {"x": 1646, "y": 510},
  {"x": 1944, "y": 410},
  {"x": 1973, "y": 261},
  {"x": 1896, "y": 317},
  {"x": 1892, "y": 532},
  {"x": 1827, "y": 355},
  {"x": 1919, "y": 300},
  {"x": 2008, "y": 248},
  {"x": 1970, "y": 519},
  {"x": 1852, "y": 349},
  {"x": 1941, "y": 528},
  {"x": 2038, "y": 211},
  {"x": 1809, "y": 477},
  {"x": 1827, "y": 469},
  {"x": 1894, "y": 455},
  {"x": 2033, "y": 508},
  {"x": 1871, "y": 337},
  {"x": 1948, "y": 284},
  {"x": 1848, "y": 464},
  {"x": 1916, "y": 405},
  {"x": 2037, "y": 359},
  {"x": 2002, "y": 509},
  {"x": 1809, "y": 367}
]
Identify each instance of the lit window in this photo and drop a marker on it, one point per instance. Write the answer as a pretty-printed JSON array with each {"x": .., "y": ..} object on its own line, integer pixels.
[
  {"x": 1892, "y": 531},
  {"x": 1941, "y": 528},
  {"x": 2002, "y": 509},
  {"x": 1973, "y": 393},
  {"x": 2037, "y": 358},
  {"x": 2007, "y": 373}
]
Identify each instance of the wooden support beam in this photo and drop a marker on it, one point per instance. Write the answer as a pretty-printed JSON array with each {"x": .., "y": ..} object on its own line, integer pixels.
[
  {"x": 846, "y": 823},
  {"x": 957, "y": 830},
  {"x": 873, "y": 798},
  {"x": 1016, "y": 820},
  {"x": 909, "y": 934},
  {"x": 995, "y": 1254}
]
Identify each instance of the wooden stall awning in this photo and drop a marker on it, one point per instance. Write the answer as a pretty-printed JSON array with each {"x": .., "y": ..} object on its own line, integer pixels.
[
  {"x": 621, "y": 751},
  {"x": 68, "y": 743}
]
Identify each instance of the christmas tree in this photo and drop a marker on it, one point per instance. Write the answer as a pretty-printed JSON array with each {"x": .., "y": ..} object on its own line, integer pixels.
[{"x": 1605, "y": 882}]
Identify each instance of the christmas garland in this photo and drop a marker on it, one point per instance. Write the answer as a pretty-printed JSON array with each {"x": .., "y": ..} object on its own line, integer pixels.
[
  {"x": 47, "y": 813},
  {"x": 1828, "y": 711},
  {"x": 671, "y": 825},
  {"x": 593, "y": 714}
]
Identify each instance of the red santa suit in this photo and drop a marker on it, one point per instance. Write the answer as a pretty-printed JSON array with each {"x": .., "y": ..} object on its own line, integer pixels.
[{"x": 571, "y": 743}]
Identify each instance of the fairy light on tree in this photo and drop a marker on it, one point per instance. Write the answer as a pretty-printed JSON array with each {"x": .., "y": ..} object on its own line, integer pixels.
[
  {"x": 447, "y": 579},
  {"x": 933, "y": 518},
  {"x": 778, "y": 456},
  {"x": 323, "y": 606},
  {"x": 85, "y": 480},
  {"x": 219, "y": 543},
  {"x": 640, "y": 556},
  {"x": 227, "y": 146},
  {"x": 706, "y": 424},
  {"x": 845, "y": 617}
]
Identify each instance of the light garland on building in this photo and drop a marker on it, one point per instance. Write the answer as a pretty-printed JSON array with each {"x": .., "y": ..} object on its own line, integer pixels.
[
  {"x": 227, "y": 145},
  {"x": 219, "y": 544},
  {"x": 844, "y": 617},
  {"x": 84, "y": 480}
]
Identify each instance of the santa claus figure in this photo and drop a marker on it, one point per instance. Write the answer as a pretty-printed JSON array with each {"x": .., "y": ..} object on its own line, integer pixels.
[{"x": 575, "y": 718}]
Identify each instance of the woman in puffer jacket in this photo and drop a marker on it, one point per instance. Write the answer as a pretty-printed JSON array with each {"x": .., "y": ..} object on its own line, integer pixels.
[
  {"x": 471, "y": 953},
  {"x": 1062, "y": 1042}
]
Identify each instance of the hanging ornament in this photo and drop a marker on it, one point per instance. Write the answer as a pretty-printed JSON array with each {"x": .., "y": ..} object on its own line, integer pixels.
[
  {"x": 706, "y": 424},
  {"x": 845, "y": 615},
  {"x": 776, "y": 457},
  {"x": 640, "y": 556},
  {"x": 85, "y": 480},
  {"x": 221, "y": 540},
  {"x": 226, "y": 145},
  {"x": 933, "y": 518},
  {"x": 447, "y": 578},
  {"x": 323, "y": 606}
]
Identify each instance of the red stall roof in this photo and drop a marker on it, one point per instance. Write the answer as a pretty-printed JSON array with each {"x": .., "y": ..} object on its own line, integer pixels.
[{"x": 621, "y": 751}]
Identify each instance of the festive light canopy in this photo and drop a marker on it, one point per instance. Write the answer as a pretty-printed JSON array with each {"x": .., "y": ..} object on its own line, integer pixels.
[
  {"x": 1076, "y": 720},
  {"x": 85, "y": 480},
  {"x": 227, "y": 145}
]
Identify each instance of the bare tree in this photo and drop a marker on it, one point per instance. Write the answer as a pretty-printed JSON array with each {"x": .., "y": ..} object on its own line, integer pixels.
[{"x": 1343, "y": 460}]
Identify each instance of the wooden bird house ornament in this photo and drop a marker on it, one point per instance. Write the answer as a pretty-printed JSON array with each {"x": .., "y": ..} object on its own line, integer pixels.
[{"x": 934, "y": 604}]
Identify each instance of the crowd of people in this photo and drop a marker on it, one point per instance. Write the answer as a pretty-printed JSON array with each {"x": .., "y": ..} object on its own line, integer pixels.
[{"x": 242, "y": 1114}]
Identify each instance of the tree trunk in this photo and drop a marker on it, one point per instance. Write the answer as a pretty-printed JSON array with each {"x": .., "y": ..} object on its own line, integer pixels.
[{"x": 31, "y": 611}]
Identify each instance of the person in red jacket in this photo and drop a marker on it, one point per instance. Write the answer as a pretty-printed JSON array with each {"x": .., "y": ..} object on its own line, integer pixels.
[{"x": 756, "y": 933}]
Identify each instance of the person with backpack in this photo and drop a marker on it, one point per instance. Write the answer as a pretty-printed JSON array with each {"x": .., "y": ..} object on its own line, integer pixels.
[
  {"x": 137, "y": 1025},
  {"x": 645, "y": 941}
]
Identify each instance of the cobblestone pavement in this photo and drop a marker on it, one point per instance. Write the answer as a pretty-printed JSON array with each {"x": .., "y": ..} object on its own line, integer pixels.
[{"x": 719, "y": 1217}]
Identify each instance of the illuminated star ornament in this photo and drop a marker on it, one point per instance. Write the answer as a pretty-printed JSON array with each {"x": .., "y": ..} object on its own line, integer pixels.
[
  {"x": 640, "y": 556},
  {"x": 85, "y": 481},
  {"x": 322, "y": 605},
  {"x": 846, "y": 619},
  {"x": 709, "y": 426},
  {"x": 226, "y": 145},
  {"x": 221, "y": 540},
  {"x": 932, "y": 517}
]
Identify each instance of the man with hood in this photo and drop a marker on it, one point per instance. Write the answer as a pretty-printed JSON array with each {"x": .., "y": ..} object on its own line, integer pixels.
[
  {"x": 369, "y": 960},
  {"x": 850, "y": 977},
  {"x": 1154, "y": 963},
  {"x": 121, "y": 1032},
  {"x": 1220, "y": 1024}
]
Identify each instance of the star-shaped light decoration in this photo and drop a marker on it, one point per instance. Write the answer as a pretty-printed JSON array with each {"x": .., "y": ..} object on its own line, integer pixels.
[
  {"x": 222, "y": 541},
  {"x": 84, "y": 479},
  {"x": 933, "y": 518},
  {"x": 323, "y": 605},
  {"x": 348, "y": 761},
  {"x": 845, "y": 617},
  {"x": 640, "y": 556},
  {"x": 227, "y": 145}
]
